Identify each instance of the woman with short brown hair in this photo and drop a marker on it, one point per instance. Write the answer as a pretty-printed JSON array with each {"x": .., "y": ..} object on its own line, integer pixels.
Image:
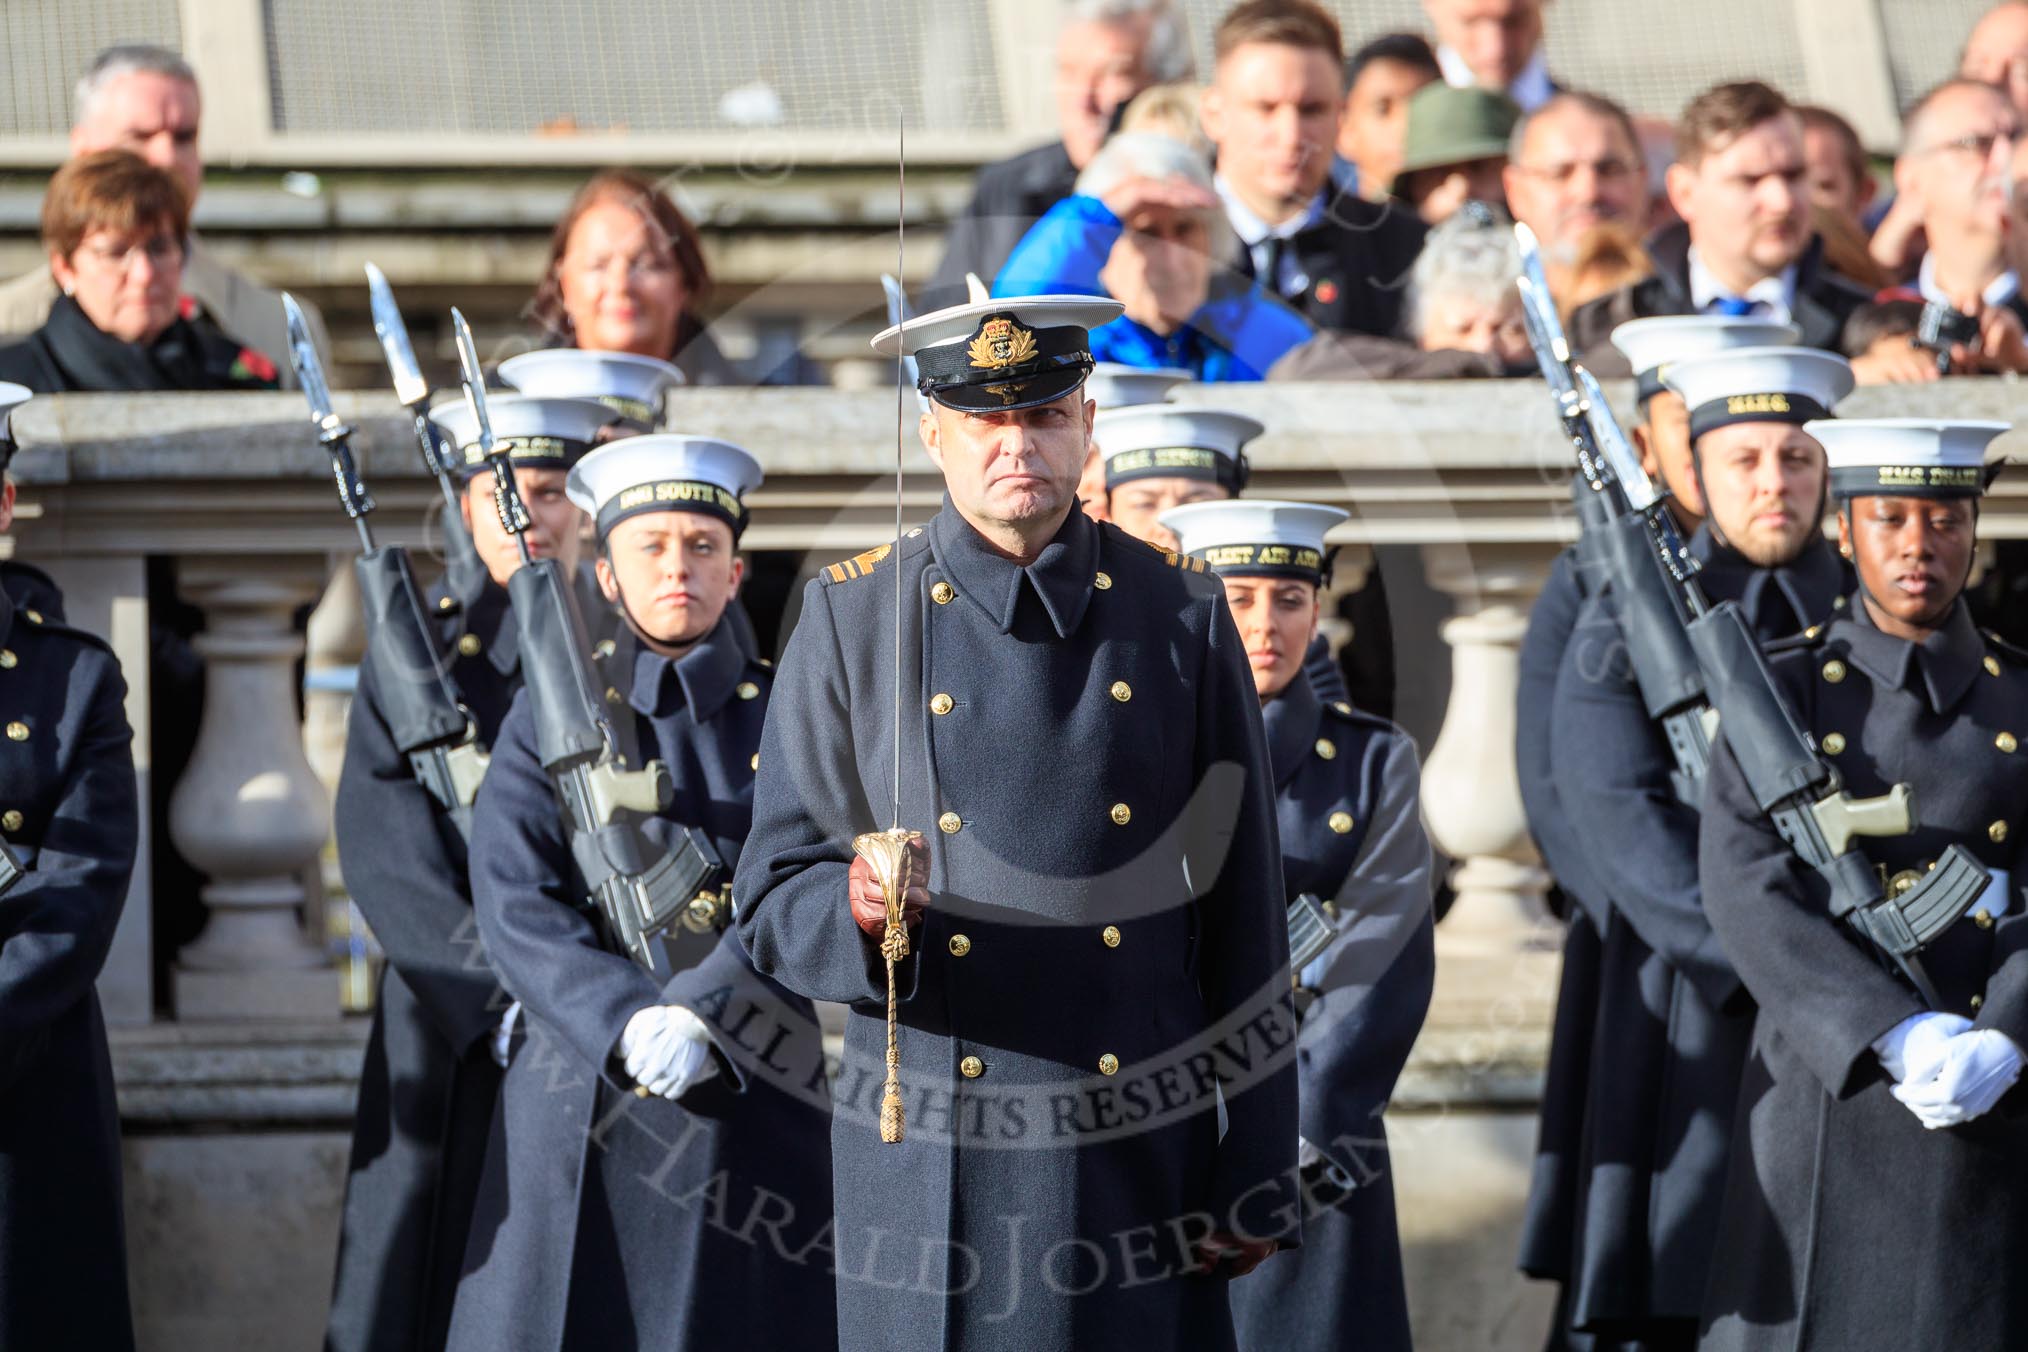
[
  {"x": 626, "y": 272},
  {"x": 117, "y": 231}
]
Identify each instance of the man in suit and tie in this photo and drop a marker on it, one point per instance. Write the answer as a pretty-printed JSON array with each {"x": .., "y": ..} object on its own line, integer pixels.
[
  {"x": 1273, "y": 110},
  {"x": 1745, "y": 246}
]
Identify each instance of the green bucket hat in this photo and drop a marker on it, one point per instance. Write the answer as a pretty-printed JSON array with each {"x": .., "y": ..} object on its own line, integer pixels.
[{"x": 1454, "y": 126}]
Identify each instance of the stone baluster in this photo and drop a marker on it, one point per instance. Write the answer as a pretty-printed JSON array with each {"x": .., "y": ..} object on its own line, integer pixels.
[
  {"x": 249, "y": 811},
  {"x": 1471, "y": 792}
]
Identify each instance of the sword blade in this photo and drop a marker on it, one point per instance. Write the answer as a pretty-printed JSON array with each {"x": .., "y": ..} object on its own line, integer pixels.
[{"x": 409, "y": 385}]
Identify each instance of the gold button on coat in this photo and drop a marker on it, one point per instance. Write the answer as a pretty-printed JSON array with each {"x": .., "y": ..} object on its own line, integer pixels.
[
  {"x": 942, "y": 593},
  {"x": 1992, "y": 666},
  {"x": 603, "y": 648},
  {"x": 17, "y": 732},
  {"x": 34, "y": 616},
  {"x": 960, "y": 945},
  {"x": 950, "y": 823},
  {"x": 1834, "y": 742},
  {"x": 941, "y": 704},
  {"x": 1983, "y": 919},
  {"x": 1834, "y": 671},
  {"x": 1109, "y": 1064},
  {"x": 10, "y": 820},
  {"x": 7, "y": 659},
  {"x": 747, "y": 690},
  {"x": 755, "y": 762},
  {"x": 2005, "y": 741},
  {"x": 1997, "y": 832},
  {"x": 1111, "y": 936},
  {"x": 1103, "y": 581},
  {"x": 612, "y": 696},
  {"x": 1978, "y": 1002},
  {"x": 1122, "y": 691},
  {"x": 972, "y": 1067},
  {"x": 1341, "y": 822},
  {"x": 447, "y": 603},
  {"x": 469, "y": 645},
  {"x": 1327, "y": 748},
  {"x": 1121, "y": 814}
]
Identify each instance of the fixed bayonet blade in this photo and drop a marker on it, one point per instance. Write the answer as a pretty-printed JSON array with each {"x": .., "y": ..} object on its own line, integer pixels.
[
  {"x": 1612, "y": 444},
  {"x": 409, "y": 385},
  {"x": 475, "y": 380},
  {"x": 309, "y": 371}
]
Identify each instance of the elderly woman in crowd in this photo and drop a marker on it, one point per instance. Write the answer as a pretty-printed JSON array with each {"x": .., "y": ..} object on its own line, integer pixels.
[
  {"x": 117, "y": 231},
  {"x": 1145, "y": 227},
  {"x": 626, "y": 274},
  {"x": 1462, "y": 316}
]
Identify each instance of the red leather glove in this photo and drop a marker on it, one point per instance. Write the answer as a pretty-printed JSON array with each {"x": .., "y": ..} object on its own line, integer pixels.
[{"x": 869, "y": 904}]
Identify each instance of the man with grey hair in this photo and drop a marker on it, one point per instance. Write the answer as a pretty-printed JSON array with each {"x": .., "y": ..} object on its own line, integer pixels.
[
  {"x": 145, "y": 100},
  {"x": 1106, "y": 52}
]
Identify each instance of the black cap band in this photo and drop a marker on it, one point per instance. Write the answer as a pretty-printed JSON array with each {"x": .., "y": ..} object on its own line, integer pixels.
[
  {"x": 1909, "y": 481},
  {"x": 674, "y": 495},
  {"x": 1775, "y": 406},
  {"x": 1176, "y": 462},
  {"x": 638, "y": 414},
  {"x": 1648, "y": 384},
  {"x": 527, "y": 453},
  {"x": 1267, "y": 560}
]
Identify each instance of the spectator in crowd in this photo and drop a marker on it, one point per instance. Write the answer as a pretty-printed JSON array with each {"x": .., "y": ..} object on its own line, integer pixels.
[
  {"x": 1379, "y": 79},
  {"x": 1608, "y": 258},
  {"x": 1955, "y": 174},
  {"x": 1463, "y": 316},
  {"x": 1996, "y": 52},
  {"x": 1839, "y": 180},
  {"x": 1107, "y": 51},
  {"x": 1494, "y": 44},
  {"x": 626, "y": 273},
  {"x": 115, "y": 229},
  {"x": 1880, "y": 338},
  {"x": 1144, "y": 227},
  {"x": 1746, "y": 246},
  {"x": 1171, "y": 110},
  {"x": 1273, "y": 110},
  {"x": 1455, "y": 151},
  {"x": 145, "y": 100},
  {"x": 1573, "y": 165}
]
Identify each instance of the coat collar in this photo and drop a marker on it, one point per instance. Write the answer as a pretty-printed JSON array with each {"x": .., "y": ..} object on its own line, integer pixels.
[
  {"x": 703, "y": 678},
  {"x": 1061, "y": 576},
  {"x": 1811, "y": 583},
  {"x": 1950, "y": 660},
  {"x": 1291, "y": 719}
]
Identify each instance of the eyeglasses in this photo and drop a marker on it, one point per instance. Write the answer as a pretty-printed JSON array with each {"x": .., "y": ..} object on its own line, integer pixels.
[
  {"x": 1978, "y": 144},
  {"x": 160, "y": 251},
  {"x": 1609, "y": 170}
]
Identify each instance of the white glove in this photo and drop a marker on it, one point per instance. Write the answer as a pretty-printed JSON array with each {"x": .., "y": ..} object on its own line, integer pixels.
[
  {"x": 666, "y": 1049},
  {"x": 1978, "y": 1067},
  {"x": 502, "y": 1039},
  {"x": 1914, "y": 1048}
]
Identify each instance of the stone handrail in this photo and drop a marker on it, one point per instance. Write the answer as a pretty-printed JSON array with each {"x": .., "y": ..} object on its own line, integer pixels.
[{"x": 1469, "y": 477}]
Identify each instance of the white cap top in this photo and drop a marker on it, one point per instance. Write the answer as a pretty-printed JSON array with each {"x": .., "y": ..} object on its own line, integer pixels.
[
  {"x": 957, "y": 323},
  {"x": 1114, "y": 384},
  {"x": 1254, "y": 535},
  {"x": 1759, "y": 384},
  {"x": 1906, "y": 457},
  {"x": 1650, "y": 344},
  {"x": 630, "y": 384},
  {"x": 665, "y": 472},
  {"x": 12, "y": 396},
  {"x": 533, "y": 430},
  {"x": 1148, "y": 441}
]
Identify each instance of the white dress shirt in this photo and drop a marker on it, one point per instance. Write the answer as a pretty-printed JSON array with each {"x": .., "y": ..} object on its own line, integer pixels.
[
  {"x": 1773, "y": 298},
  {"x": 1530, "y": 90},
  {"x": 1255, "y": 233}
]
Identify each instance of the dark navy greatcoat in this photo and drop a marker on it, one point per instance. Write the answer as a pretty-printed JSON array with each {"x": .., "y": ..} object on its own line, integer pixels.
[
  {"x": 68, "y": 817},
  {"x": 31, "y": 589},
  {"x": 610, "y": 1221},
  {"x": 1671, "y": 1030},
  {"x": 1847, "y": 1224},
  {"x": 1104, "y": 958},
  {"x": 1346, "y": 799},
  {"x": 427, "y": 1087}
]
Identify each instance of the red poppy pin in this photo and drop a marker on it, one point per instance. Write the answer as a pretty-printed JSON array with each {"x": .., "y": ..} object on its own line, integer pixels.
[
  {"x": 253, "y": 366},
  {"x": 1327, "y": 291},
  {"x": 186, "y": 307}
]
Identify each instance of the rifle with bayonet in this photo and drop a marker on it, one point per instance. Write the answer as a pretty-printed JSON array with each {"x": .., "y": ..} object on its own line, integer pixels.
[
  {"x": 1728, "y": 684},
  {"x": 10, "y": 870},
  {"x": 463, "y": 570},
  {"x": 411, "y": 673},
  {"x": 641, "y": 891}
]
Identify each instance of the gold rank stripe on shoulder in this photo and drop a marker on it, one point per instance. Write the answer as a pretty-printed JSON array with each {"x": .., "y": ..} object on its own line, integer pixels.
[
  {"x": 1189, "y": 563},
  {"x": 859, "y": 565}
]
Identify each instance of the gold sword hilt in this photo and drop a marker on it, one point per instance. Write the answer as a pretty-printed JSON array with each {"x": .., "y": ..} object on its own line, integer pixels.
[{"x": 891, "y": 856}]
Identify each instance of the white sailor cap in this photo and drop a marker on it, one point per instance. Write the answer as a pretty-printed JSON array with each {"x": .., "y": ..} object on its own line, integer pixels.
[
  {"x": 1759, "y": 384},
  {"x": 1651, "y": 344},
  {"x": 12, "y": 396},
  {"x": 1907, "y": 457},
  {"x": 998, "y": 355},
  {"x": 629, "y": 384},
  {"x": 1116, "y": 385},
  {"x": 1256, "y": 537},
  {"x": 1149, "y": 441},
  {"x": 536, "y": 433},
  {"x": 664, "y": 472}
]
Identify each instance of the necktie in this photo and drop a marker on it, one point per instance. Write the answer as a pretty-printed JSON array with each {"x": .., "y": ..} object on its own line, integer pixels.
[
  {"x": 1271, "y": 275},
  {"x": 1736, "y": 306}
]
